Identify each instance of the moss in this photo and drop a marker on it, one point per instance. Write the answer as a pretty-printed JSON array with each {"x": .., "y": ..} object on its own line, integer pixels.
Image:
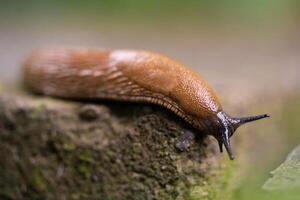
[
  {"x": 69, "y": 147},
  {"x": 215, "y": 186},
  {"x": 86, "y": 157},
  {"x": 38, "y": 182},
  {"x": 84, "y": 170}
]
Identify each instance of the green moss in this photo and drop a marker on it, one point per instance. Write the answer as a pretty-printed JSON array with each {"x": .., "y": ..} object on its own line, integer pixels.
[
  {"x": 84, "y": 170},
  {"x": 86, "y": 156},
  {"x": 215, "y": 186},
  {"x": 38, "y": 182},
  {"x": 69, "y": 146}
]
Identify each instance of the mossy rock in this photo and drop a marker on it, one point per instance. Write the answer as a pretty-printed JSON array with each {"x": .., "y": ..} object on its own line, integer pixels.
[{"x": 59, "y": 149}]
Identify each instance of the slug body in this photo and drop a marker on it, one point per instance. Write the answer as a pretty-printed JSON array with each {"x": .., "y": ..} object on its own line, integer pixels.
[{"x": 135, "y": 76}]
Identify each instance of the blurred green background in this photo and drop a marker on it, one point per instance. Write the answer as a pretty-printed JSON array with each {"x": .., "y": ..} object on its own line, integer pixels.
[
  {"x": 200, "y": 34},
  {"x": 247, "y": 49}
]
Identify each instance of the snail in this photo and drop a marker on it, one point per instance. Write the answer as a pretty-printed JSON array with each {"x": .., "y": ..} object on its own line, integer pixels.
[{"x": 133, "y": 76}]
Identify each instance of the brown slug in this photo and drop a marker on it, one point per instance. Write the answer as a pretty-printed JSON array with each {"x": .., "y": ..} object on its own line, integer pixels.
[{"x": 134, "y": 76}]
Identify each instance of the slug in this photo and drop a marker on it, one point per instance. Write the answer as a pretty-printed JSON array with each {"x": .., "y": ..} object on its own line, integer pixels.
[{"x": 133, "y": 76}]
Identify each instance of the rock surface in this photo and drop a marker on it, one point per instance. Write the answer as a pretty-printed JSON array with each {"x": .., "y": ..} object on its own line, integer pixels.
[{"x": 59, "y": 149}]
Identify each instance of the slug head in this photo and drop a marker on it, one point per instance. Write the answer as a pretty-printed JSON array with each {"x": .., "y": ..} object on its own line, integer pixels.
[{"x": 227, "y": 127}]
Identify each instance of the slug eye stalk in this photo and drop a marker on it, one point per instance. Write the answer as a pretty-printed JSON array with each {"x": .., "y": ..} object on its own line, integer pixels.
[{"x": 244, "y": 120}]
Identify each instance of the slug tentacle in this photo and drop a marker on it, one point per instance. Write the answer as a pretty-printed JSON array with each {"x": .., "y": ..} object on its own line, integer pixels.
[
  {"x": 226, "y": 143},
  {"x": 228, "y": 127},
  {"x": 220, "y": 146},
  {"x": 133, "y": 76},
  {"x": 244, "y": 120}
]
